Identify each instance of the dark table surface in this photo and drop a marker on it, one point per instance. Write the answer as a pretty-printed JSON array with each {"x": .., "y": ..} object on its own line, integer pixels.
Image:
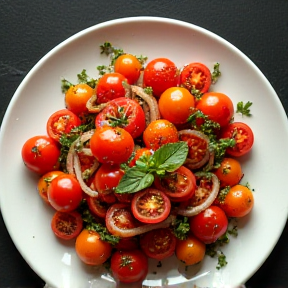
[{"x": 29, "y": 29}]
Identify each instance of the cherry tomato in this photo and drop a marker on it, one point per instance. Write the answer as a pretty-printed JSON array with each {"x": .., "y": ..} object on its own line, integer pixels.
[
  {"x": 150, "y": 206},
  {"x": 77, "y": 96},
  {"x": 111, "y": 145},
  {"x": 196, "y": 76},
  {"x": 158, "y": 244},
  {"x": 44, "y": 182},
  {"x": 190, "y": 251},
  {"x": 110, "y": 87},
  {"x": 97, "y": 207},
  {"x": 64, "y": 193},
  {"x": 125, "y": 113},
  {"x": 129, "y": 243},
  {"x": 176, "y": 104},
  {"x": 129, "y": 266},
  {"x": 229, "y": 173},
  {"x": 91, "y": 249},
  {"x": 209, "y": 224},
  {"x": 242, "y": 134},
  {"x": 178, "y": 185},
  {"x": 160, "y": 74},
  {"x": 67, "y": 225},
  {"x": 62, "y": 121},
  {"x": 142, "y": 152},
  {"x": 238, "y": 202},
  {"x": 158, "y": 133},
  {"x": 217, "y": 106},
  {"x": 40, "y": 154},
  {"x": 124, "y": 197},
  {"x": 129, "y": 66}
]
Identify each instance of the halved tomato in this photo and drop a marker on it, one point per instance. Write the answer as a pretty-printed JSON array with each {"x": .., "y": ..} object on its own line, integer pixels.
[
  {"x": 97, "y": 207},
  {"x": 150, "y": 206}
]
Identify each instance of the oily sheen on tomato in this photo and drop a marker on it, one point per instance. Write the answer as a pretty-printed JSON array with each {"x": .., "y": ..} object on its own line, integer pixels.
[
  {"x": 176, "y": 104},
  {"x": 217, "y": 106},
  {"x": 40, "y": 154},
  {"x": 124, "y": 113}
]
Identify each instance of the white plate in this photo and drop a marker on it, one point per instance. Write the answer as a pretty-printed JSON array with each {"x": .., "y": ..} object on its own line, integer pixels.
[{"x": 39, "y": 95}]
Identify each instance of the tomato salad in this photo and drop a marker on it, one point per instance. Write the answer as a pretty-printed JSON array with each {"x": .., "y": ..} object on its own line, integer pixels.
[{"x": 143, "y": 162}]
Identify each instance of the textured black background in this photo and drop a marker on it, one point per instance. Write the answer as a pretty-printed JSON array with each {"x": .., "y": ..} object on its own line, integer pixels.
[{"x": 29, "y": 29}]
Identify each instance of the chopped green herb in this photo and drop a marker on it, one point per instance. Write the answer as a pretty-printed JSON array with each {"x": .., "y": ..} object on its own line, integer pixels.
[
  {"x": 196, "y": 93},
  {"x": 111, "y": 51},
  {"x": 216, "y": 73},
  {"x": 222, "y": 194},
  {"x": 142, "y": 59},
  {"x": 65, "y": 85},
  {"x": 84, "y": 78},
  {"x": 233, "y": 231},
  {"x": 243, "y": 108},
  {"x": 181, "y": 227},
  {"x": 148, "y": 90},
  {"x": 221, "y": 261}
]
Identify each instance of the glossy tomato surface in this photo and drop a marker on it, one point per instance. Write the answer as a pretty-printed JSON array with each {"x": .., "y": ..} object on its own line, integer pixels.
[
  {"x": 111, "y": 145},
  {"x": 217, "y": 106},
  {"x": 160, "y": 74},
  {"x": 129, "y": 266},
  {"x": 176, "y": 104},
  {"x": 60, "y": 122},
  {"x": 64, "y": 193},
  {"x": 110, "y": 87},
  {"x": 124, "y": 113},
  {"x": 40, "y": 154}
]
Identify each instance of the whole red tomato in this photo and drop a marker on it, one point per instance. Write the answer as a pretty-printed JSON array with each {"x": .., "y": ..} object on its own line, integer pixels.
[{"x": 40, "y": 154}]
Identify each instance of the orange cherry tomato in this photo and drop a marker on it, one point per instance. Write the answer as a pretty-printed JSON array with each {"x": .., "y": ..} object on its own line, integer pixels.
[
  {"x": 129, "y": 66},
  {"x": 190, "y": 251},
  {"x": 176, "y": 104},
  {"x": 158, "y": 133},
  {"x": 238, "y": 202},
  {"x": 77, "y": 96},
  {"x": 217, "y": 106},
  {"x": 91, "y": 249},
  {"x": 229, "y": 173}
]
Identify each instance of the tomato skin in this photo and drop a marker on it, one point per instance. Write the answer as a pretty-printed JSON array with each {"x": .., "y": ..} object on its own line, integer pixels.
[
  {"x": 97, "y": 207},
  {"x": 125, "y": 113},
  {"x": 158, "y": 244},
  {"x": 229, "y": 173},
  {"x": 196, "y": 76},
  {"x": 64, "y": 193},
  {"x": 129, "y": 66},
  {"x": 217, "y": 106},
  {"x": 67, "y": 225},
  {"x": 40, "y": 154},
  {"x": 77, "y": 96},
  {"x": 179, "y": 186},
  {"x": 139, "y": 153},
  {"x": 91, "y": 249},
  {"x": 209, "y": 224},
  {"x": 150, "y": 206},
  {"x": 158, "y": 133},
  {"x": 243, "y": 136},
  {"x": 110, "y": 87},
  {"x": 62, "y": 121},
  {"x": 176, "y": 105},
  {"x": 111, "y": 145},
  {"x": 238, "y": 202},
  {"x": 160, "y": 74},
  {"x": 44, "y": 182},
  {"x": 190, "y": 251},
  {"x": 129, "y": 243},
  {"x": 129, "y": 266}
]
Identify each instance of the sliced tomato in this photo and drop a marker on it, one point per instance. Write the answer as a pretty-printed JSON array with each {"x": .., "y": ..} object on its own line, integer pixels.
[
  {"x": 196, "y": 76},
  {"x": 178, "y": 185},
  {"x": 242, "y": 134},
  {"x": 60, "y": 122},
  {"x": 151, "y": 206},
  {"x": 158, "y": 244},
  {"x": 97, "y": 207},
  {"x": 67, "y": 225},
  {"x": 125, "y": 113}
]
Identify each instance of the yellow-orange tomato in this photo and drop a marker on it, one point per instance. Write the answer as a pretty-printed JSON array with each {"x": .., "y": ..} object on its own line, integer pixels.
[
  {"x": 158, "y": 133},
  {"x": 77, "y": 96},
  {"x": 229, "y": 173},
  {"x": 44, "y": 182},
  {"x": 91, "y": 249},
  {"x": 176, "y": 104},
  {"x": 190, "y": 251},
  {"x": 129, "y": 66},
  {"x": 238, "y": 202}
]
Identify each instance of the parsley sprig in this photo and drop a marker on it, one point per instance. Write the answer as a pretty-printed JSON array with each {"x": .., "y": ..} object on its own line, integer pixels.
[
  {"x": 244, "y": 108},
  {"x": 181, "y": 227}
]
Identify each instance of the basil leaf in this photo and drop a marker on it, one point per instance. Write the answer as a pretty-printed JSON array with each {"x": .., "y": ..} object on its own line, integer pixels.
[
  {"x": 134, "y": 180},
  {"x": 171, "y": 156}
]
